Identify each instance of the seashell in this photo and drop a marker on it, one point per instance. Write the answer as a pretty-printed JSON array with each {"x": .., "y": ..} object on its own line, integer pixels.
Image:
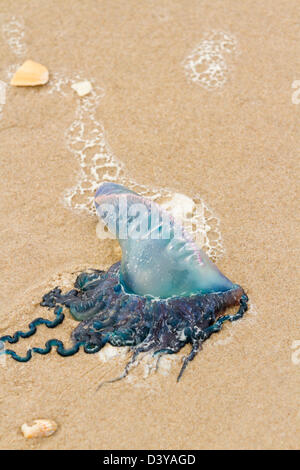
[
  {"x": 30, "y": 74},
  {"x": 39, "y": 428},
  {"x": 82, "y": 88}
]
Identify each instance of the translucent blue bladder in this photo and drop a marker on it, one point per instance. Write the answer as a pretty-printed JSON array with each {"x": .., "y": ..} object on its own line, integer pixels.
[{"x": 159, "y": 258}]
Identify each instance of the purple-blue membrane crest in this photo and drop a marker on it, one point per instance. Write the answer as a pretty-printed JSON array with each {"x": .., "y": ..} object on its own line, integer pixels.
[{"x": 159, "y": 258}]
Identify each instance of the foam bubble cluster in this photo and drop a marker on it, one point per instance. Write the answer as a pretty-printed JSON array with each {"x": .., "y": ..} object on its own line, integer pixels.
[
  {"x": 87, "y": 141},
  {"x": 2, "y": 95},
  {"x": 207, "y": 65},
  {"x": 13, "y": 33}
]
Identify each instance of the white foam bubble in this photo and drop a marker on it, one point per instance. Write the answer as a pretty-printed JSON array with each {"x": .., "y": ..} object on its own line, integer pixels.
[
  {"x": 2, "y": 96},
  {"x": 180, "y": 206},
  {"x": 110, "y": 352},
  {"x": 145, "y": 366},
  {"x": 207, "y": 65},
  {"x": 162, "y": 366},
  {"x": 13, "y": 32},
  {"x": 85, "y": 139},
  {"x": 197, "y": 219},
  {"x": 2, "y": 92}
]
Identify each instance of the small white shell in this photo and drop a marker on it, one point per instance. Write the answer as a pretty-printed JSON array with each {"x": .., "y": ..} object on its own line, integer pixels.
[
  {"x": 82, "y": 88},
  {"x": 39, "y": 428}
]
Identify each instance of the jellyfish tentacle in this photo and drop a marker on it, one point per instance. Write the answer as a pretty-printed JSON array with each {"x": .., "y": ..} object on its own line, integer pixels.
[
  {"x": 116, "y": 379},
  {"x": 196, "y": 346},
  {"x": 55, "y": 297},
  {"x": 16, "y": 357},
  {"x": 238, "y": 315},
  {"x": 33, "y": 327},
  {"x": 120, "y": 377},
  {"x": 152, "y": 339},
  {"x": 60, "y": 348},
  {"x": 197, "y": 342},
  {"x": 90, "y": 348},
  {"x": 85, "y": 309},
  {"x": 83, "y": 303},
  {"x": 242, "y": 309},
  {"x": 86, "y": 280},
  {"x": 148, "y": 344}
]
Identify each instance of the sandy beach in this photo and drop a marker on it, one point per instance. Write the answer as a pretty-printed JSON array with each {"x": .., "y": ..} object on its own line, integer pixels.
[{"x": 191, "y": 97}]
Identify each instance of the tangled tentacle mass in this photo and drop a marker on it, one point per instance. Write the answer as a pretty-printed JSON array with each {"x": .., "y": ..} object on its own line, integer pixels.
[{"x": 164, "y": 294}]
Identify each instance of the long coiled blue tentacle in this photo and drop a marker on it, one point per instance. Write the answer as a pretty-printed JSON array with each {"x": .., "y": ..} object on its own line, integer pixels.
[
  {"x": 33, "y": 325},
  {"x": 61, "y": 350}
]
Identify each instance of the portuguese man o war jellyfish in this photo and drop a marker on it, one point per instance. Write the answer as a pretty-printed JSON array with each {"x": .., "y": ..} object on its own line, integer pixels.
[{"x": 163, "y": 294}]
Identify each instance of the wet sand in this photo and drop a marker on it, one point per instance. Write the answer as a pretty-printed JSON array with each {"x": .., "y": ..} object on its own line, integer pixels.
[{"x": 237, "y": 146}]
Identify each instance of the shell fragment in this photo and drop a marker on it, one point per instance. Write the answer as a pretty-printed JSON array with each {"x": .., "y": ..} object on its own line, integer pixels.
[
  {"x": 30, "y": 74},
  {"x": 39, "y": 428},
  {"x": 82, "y": 88}
]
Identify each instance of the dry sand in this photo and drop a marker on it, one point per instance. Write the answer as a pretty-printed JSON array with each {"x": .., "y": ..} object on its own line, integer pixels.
[{"x": 237, "y": 146}]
